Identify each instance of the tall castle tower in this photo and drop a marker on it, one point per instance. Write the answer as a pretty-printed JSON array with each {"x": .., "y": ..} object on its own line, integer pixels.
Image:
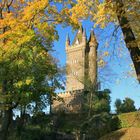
[
  {"x": 81, "y": 65},
  {"x": 75, "y": 63},
  {"x": 81, "y": 60}
]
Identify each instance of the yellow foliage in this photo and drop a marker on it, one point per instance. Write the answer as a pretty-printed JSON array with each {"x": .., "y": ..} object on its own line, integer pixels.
[
  {"x": 28, "y": 81},
  {"x": 25, "y": 20},
  {"x": 19, "y": 84},
  {"x": 79, "y": 11},
  {"x": 104, "y": 12},
  {"x": 33, "y": 8},
  {"x": 106, "y": 53},
  {"x": 101, "y": 63}
]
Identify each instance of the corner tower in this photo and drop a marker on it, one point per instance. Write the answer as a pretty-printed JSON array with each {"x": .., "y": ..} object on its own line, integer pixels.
[{"x": 92, "y": 59}]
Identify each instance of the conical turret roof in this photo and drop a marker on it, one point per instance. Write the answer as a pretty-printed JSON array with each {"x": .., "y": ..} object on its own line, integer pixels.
[
  {"x": 67, "y": 39},
  {"x": 92, "y": 38}
]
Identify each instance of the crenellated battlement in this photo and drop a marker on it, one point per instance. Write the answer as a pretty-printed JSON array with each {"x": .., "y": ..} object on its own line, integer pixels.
[
  {"x": 70, "y": 93},
  {"x": 71, "y": 101}
]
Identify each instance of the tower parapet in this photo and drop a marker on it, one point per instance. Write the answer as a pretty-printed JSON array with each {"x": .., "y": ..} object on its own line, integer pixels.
[
  {"x": 67, "y": 44},
  {"x": 71, "y": 102},
  {"x": 84, "y": 37}
]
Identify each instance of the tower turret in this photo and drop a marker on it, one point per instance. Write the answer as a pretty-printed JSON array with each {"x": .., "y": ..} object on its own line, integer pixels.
[
  {"x": 84, "y": 37},
  {"x": 67, "y": 42},
  {"x": 93, "y": 58},
  {"x": 92, "y": 40}
]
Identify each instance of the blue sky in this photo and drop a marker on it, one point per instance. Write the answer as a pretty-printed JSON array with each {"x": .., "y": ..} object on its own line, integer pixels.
[{"x": 114, "y": 75}]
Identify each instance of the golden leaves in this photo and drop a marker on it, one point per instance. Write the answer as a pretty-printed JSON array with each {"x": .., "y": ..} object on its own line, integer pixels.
[
  {"x": 79, "y": 11},
  {"x": 19, "y": 84},
  {"x": 8, "y": 20},
  {"x": 33, "y": 8},
  {"x": 106, "y": 53},
  {"x": 100, "y": 12},
  {"x": 25, "y": 22},
  {"x": 101, "y": 63},
  {"x": 106, "y": 12},
  {"x": 25, "y": 82},
  {"x": 28, "y": 81}
]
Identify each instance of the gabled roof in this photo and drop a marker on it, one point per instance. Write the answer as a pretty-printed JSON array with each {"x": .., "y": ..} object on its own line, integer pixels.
[{"x": 78, "y": 36}]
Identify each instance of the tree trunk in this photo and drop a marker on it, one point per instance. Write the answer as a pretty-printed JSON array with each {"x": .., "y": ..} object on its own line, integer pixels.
[
  {"x": 77, "y": 135},
  {"x": 6, "y": 123},
  {"x": 7, "y": 114},
  {"x": 129, "y": 37}
]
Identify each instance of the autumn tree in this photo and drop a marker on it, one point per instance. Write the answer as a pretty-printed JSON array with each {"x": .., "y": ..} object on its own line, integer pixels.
[
  {"x": 124, "y": 14},
  {"x": 27, "y": 30}
]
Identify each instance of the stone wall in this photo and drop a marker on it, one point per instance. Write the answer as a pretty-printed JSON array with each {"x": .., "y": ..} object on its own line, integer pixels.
[{"x": 71, "y": 102}]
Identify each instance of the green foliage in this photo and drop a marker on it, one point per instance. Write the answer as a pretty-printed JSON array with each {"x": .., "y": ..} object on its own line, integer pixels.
[
  {"x": 30, "y": 133},
  {"x": 98, "y": 122},
  {"x": 97, "y": 125},
  {"x": 41, "y": 119},
  {"x": 28, "y": 76},
  {"x": 126, "y": 106},
  {"x": 115, "y": 123},
  {"x": 37, "y": 127},
  {"x": 100, "y": 101},
  {"x": 118, "y": 104}
]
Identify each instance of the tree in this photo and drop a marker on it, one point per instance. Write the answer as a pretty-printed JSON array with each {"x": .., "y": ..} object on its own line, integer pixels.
[
  {"x": 27, "y": 30},
  {"x": 97, "y": 108},
  {"x": 126, "y": 106},
  {"x": 100, "y": 102},
  {"x": 129, "y": 35},
  {"x": 118, "y": 104},
  {"x": 124, "y": 13}
]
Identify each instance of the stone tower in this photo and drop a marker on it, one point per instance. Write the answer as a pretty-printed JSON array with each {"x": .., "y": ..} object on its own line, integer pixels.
[
  {"x": 81, "y": 64},
  {"x": 75, "y": 63},
  {"x": 81, "y": 60}
]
